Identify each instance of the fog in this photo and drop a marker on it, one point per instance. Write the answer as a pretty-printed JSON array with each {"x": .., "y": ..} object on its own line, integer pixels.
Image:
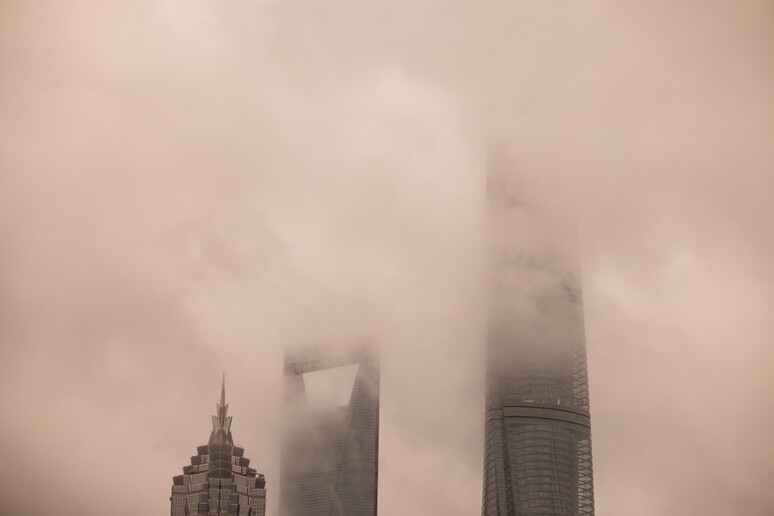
[{"x": 188, "y": 187}]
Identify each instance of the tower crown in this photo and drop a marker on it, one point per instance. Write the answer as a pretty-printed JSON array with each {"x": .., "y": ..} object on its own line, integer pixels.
[
  {"x": 221, "y": 421},
  {"x": 219, "y": 481}
]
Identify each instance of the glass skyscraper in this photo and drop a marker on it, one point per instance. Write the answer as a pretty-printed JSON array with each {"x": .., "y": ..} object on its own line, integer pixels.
[
  {"x": 330, "y": 460},
  {"x": 537, "y": 454},
  {"x": 219, "y": 480}
]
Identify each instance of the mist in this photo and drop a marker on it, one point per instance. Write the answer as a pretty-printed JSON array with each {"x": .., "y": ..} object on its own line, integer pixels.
[{"x": 188, "y": 187}]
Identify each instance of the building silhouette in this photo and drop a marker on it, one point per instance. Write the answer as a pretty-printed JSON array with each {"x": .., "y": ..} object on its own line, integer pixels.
[
  {"x": 537, "y": 453},
  {"x": 330, "y": 458},
  {"x": 219, "y": 480}
]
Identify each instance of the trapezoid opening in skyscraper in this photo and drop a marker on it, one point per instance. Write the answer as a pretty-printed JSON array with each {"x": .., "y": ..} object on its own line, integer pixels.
[
  {"x": 330, "y": 457},
  {"x": 537, "y": 450}
]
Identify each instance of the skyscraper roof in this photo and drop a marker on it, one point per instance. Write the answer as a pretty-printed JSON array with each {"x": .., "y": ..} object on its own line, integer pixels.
[
  {"x": 221, "y": 421},
  {"x": 219, "y": 480},
  {"x": 330, "y": 459}
]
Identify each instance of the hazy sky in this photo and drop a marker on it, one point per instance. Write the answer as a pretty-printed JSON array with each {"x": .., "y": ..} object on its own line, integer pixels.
[{"x": 188, "y": 186}]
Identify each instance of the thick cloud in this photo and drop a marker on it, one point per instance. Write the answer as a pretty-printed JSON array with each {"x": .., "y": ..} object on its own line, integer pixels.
[{"x": 189, "y": 186}]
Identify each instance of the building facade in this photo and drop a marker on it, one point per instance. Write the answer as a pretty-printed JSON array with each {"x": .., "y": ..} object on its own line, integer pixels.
[
  {"x": 330, "y": 458},
  {"x": 219, "y": 480},
  {"x": 537, "y": 453}
]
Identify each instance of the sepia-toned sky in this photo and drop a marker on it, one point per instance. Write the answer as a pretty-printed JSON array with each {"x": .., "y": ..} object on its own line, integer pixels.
[{"x": 188, "y": 186}]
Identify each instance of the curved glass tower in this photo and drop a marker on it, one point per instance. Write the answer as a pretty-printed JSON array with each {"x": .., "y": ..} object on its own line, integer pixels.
[
  {"x": 537, "y": 453},
  {"x": 219, "y": 480}
]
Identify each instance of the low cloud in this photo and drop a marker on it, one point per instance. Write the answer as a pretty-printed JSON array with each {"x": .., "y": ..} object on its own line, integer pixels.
[{"x": 189, "y": 187}]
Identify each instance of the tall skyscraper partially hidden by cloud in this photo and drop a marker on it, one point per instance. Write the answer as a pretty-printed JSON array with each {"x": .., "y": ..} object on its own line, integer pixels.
[
  {"x": 330, "y": 460},
  {"x": 219, "y": 480},
  {"x": 537, "y": 454}
]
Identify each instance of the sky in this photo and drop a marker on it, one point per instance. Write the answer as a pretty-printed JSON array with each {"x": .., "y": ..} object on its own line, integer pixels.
[{"x": 190, "y": 186}]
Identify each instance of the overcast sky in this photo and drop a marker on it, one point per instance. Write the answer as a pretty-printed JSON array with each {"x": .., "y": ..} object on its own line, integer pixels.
[{"x": 188, "y": 186}]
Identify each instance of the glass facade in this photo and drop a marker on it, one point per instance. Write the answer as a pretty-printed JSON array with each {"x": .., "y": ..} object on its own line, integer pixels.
[
  {"x": 330, "y": 460},
  {"x": 537, "y": 453},
  {"x": 219, "y": 480}
]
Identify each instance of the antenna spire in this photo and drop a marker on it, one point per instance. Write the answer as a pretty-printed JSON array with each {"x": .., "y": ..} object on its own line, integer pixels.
[
  {"x": 221, "y": 422},
  {"x": 223, "y": 391}
]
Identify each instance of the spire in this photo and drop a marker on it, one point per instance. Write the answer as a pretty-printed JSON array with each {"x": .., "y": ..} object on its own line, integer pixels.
[
  {"x": 221, "y": 422},
  {"x": 223, "y": 390}
]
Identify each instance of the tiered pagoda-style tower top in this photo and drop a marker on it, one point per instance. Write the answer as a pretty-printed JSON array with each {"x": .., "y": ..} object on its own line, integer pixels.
[
  {"x": 219, "y": 480},
  {"x": 221, "y": 422}
]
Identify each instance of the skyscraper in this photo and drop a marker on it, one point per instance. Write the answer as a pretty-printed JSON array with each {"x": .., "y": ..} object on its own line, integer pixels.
[
  {"x": 219, "y": 480},
  {"x": 537, "y": 453},
  {"x": 330, "y": 460}
]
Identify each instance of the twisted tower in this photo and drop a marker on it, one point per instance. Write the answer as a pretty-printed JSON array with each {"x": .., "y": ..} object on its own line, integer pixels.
[{"x": 537, "y": 453}]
